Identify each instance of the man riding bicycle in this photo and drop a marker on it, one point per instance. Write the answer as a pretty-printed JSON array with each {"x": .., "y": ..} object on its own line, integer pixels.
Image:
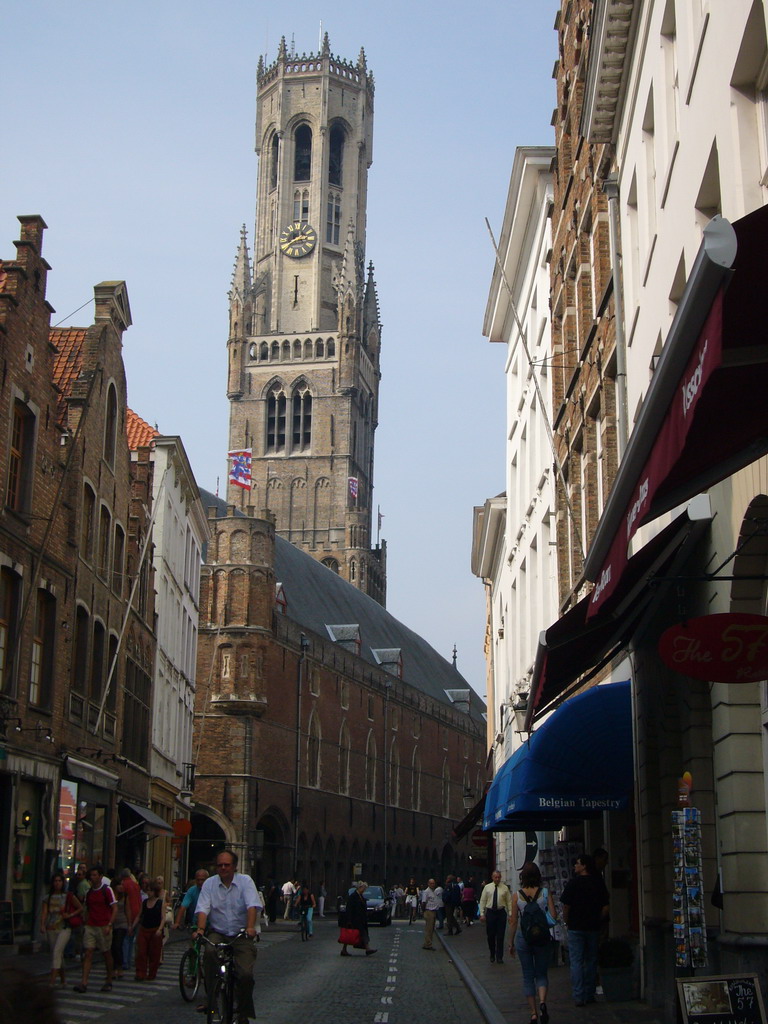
[{"x": 228, "y": 904}]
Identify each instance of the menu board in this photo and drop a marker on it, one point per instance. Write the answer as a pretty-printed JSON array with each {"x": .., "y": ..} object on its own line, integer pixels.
[
  {"x": 688, "y": 892},
  {"x": 721, "y": 1000}
]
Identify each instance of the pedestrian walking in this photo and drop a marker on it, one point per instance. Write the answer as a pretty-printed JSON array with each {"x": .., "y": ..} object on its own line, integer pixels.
[
  {"x": 322, "y": 895},
  {"x": 533, "y": 914},
  {"x": 431, "y": 902},
  {"x": 58, "y": 907},
  {"x": 412, "y": 899},
  {"x": 120, "y": 927},
  {"x": 289, "y": 891},
  {"x": 452, "y": 902},
  {"x": 100, "y": 906},
  {"x": 585, "y": 907},
  {"x": 305, "y": 903},
  {"x": 495, "y": 911},
  {"x": 149, "y": 943},
  {"x": 356, "y": 916},
  {"x": 469, "y": 902}
]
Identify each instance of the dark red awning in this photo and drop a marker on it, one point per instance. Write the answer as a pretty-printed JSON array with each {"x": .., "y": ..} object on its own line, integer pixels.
[
  {"x": 705, "y": 410},
  {"x": 576, "y": 647}
]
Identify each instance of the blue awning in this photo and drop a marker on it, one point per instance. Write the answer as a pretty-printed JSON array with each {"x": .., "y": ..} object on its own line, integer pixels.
[{"x": 576, "y": 765}]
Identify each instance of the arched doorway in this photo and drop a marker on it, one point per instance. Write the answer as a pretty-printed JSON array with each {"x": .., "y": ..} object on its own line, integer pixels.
[{"x": 205, "y": 840}]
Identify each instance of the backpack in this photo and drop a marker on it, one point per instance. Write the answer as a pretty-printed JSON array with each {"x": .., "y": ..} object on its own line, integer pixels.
[
  {"x": 452, "y": 895},
  {"x": 533, "y": 921}
]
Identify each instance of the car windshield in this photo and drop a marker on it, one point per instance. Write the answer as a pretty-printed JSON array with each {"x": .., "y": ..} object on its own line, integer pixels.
[{"x": 373, "y": 892}]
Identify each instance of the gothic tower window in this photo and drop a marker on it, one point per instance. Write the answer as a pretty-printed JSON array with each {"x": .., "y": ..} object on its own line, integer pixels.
[
  {"x": 333, "y": 219},
  {"x": 313, "y": 752},
  {"x": 302, "y": 161},
  {"x": 302, "y": 419},
  {"x": 274, "y": 154},
  {"x": 344, "y": 758},
  {"x": 301, "y": 205},
  {"x": 276, "y": 420},
  {"x": 336, "y": 156}
]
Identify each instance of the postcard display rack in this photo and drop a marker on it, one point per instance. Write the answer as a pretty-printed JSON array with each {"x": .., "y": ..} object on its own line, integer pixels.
[{"x": 688, "y": 898}]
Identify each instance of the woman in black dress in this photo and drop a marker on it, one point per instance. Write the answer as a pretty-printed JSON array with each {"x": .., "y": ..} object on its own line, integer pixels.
[{"x": 357, "y": 917}]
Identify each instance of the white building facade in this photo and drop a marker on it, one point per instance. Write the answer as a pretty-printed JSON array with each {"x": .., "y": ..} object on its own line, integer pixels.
[{"x": 513, "y": 550}]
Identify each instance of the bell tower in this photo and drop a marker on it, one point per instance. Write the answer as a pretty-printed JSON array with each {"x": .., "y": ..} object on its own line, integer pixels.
[{"x": 304, "y": 325}]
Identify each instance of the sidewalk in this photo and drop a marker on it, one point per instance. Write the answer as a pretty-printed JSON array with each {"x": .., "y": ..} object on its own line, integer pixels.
[{"x": 498, "y": 988}]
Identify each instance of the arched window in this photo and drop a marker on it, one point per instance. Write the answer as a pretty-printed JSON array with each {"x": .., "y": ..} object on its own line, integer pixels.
[
  {"x": 332, "y": 564},
  {"x": 286, "y": 353},
  {"x": 416, "y": 780},
  {"x": 276, "y": 404},
  {"x": 301, "y": 205},
  {"x": 313, "y": 752},
  {"x": 297, "y": 349},
  {"x": 333, "y": 219},
  {"x": 110, "y": 426},
  {"x": 331, "y": 347},
  {"x": 344, "y": 758},
  {"x": 370, "y": 768},
  {"x": 307, "y": 349},
  {"x": 274, "y": 154},
  {"x": 394, "y": 775},
  {"x": 302, "y": 159},
  {"x": 97, "y": 661},
  {"x": 319, "y": 348},
  {"x": 446, "y": 790},
  {"x": 336, "y": 156},
  {"x": 275, "y": 350},
  {"x": 302, "y": 419}
]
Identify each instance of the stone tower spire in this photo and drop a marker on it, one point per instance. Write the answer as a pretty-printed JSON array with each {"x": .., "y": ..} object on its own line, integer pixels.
[{"x": 303, "y": 365}]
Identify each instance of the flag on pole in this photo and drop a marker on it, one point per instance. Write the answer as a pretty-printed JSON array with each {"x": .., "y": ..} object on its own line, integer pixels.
[
  {"x": 353, "y": 487},
  {"x": 240, "y": 468}
]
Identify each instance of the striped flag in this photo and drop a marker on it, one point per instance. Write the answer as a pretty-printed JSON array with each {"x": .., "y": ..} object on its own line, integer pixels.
[
  {"x": 240, "y": 468},
  {"x": 353, "y": 487}
]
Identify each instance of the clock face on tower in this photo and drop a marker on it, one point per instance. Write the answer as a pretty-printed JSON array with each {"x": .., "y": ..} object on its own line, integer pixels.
[{"x": 298, "y": 239}]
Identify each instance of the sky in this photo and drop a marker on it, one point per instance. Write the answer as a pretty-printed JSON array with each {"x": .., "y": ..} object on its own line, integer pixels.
[{"x": 129, "y": 126}]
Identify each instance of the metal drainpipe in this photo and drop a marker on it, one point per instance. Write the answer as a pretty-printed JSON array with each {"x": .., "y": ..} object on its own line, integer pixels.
[{"x": 611, "y": 190}]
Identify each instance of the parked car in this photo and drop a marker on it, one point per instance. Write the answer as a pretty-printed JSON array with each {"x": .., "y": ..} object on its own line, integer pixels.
[{"x": 378, "y": 905}]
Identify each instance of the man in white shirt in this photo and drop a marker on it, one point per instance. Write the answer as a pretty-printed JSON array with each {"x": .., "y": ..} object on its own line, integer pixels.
[
  {"x": 289, "y": 891},
  {"x": 431, "y": 902},
  {"x": 228, "y": 904}
]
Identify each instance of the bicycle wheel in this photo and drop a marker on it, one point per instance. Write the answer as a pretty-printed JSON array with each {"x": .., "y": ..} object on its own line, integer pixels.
[
  {"x": 189, "y": 974},
  {"x": 221, "y": 1003}
]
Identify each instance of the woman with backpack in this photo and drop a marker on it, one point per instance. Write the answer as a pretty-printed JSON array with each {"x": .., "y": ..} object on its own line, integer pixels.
[{"x": 533, "y": 914}]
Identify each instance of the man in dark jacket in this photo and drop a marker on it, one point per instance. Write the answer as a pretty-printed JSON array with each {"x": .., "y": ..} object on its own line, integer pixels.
[{"x": 585, "y": 907}]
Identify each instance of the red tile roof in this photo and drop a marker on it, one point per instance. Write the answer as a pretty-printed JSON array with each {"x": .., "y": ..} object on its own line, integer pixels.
[
  {"x": 67, "y": 363},
  {"x": 140, "y": 434}
]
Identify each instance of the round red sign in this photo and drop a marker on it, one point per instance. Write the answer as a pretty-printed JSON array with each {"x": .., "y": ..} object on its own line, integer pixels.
[
  {"x": 731, "y": 647},
  {"x": 480, "y": 838}
]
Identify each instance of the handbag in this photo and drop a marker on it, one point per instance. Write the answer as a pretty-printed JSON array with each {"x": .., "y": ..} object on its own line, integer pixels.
[{"x": 349, "y": 936}]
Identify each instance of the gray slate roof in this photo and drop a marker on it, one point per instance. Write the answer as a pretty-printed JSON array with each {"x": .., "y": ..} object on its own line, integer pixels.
[{"x": 318, "y": 597}]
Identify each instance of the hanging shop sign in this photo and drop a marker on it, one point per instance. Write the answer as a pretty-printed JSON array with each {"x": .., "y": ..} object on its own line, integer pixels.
[{"x": 731, "y": 647}]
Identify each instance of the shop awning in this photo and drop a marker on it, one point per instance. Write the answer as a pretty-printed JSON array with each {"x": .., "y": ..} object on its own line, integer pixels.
[
  {"x": 577, "y": 646},
  {"x": 576, "y": 765},
  {"x": 703, "y": 416},
  {"x": 148, "y": 821}
]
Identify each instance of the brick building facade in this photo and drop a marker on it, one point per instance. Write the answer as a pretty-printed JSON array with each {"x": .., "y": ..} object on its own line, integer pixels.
[
  {"x": 74, "y": 701},
  {"x": 330, "y": 739}
]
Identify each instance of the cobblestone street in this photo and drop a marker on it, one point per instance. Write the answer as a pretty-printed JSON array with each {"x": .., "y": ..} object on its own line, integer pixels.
[{"x": 307, "y": 982}]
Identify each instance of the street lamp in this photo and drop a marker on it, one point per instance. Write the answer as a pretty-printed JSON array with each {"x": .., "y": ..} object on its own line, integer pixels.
[
  {"x": 520, "y": 709},
  {"x": 468, "y": 799}
]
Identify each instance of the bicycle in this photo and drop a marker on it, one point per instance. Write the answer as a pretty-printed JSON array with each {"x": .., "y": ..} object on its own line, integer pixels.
[
  {"x": 191, "y": 970},
  {"x": 221, "y": 1002}
]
